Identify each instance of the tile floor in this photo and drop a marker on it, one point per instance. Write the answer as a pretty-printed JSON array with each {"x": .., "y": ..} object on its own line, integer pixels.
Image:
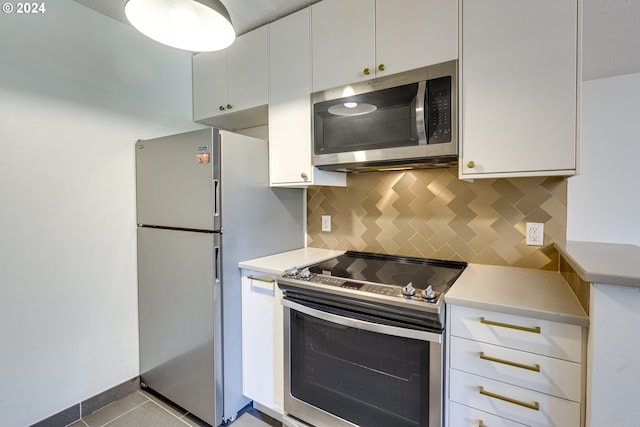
[{"x": 143, "y": 409}]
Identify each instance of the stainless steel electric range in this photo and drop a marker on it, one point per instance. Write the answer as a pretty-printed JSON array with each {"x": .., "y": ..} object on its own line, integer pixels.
[{"x": 364, "y": 340}]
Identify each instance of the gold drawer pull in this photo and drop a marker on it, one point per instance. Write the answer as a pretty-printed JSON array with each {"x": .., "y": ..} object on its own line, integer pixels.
[
  {"x": 481, "y": 424},
  {"x": 261, "y": 280},
  {"x": 534, "y": 368},
  {"x": 534, "y": 330},
  {"x": 535, "y": 405}
]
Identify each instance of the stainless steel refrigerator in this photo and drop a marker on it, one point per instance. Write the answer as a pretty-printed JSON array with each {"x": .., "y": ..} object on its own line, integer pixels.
[{"x": 203, "y": 204}]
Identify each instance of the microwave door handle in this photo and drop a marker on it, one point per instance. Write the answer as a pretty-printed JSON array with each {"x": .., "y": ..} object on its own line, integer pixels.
[
  {"x": 421, "y": 123},
  {"x": 363, "y": 325}
]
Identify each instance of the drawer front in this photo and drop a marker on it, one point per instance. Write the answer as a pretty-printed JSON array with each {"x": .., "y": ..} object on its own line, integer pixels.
[
  {"x": 554, "y": 339},
  {"x": 260, "y": 281},
  {"x": 547, "y": 375},
  {"x": 464, "y": 416},
  {"x": 514, "y": 403}
]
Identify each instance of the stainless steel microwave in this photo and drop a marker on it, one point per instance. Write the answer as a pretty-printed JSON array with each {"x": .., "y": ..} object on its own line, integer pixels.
[{"x": 403, "y": 121}]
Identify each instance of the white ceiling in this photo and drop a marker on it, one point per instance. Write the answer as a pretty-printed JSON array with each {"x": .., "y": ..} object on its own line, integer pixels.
[
  {"x": 246, "y": 15},
  {"x": 611, "y": 28}
]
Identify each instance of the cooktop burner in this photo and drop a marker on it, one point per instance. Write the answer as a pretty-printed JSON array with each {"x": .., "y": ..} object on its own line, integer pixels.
[
  {"x": 377, "y": 279},
  {"x": 392, "y": 270}
]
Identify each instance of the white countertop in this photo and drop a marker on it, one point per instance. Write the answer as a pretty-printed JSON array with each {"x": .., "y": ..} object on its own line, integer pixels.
[
  {"x": 278, "y": 263},
  {"x": 520, "y": 291},
  {"x": 605, "y": 263}
]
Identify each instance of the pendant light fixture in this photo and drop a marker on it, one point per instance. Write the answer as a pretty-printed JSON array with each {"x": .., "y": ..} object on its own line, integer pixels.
[{"x": 194, "y": 25}]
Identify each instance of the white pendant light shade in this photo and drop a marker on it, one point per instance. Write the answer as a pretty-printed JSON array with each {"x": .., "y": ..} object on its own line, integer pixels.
[{"x": 195, "y": 25}]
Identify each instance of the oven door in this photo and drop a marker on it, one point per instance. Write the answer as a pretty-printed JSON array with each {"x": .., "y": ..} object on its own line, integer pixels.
[{"x": 345, "y": 371}]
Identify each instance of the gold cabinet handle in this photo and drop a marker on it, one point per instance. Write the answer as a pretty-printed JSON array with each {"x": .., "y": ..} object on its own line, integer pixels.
[
  {"x": 304, "y": 176},
  {"x": 534, "y": 368},
  {"x": 261, "y": 280},
  {"x": 229, "y": 107},
  {"x": 471, "y": 164},
  {"x": 533, "y": 330},
  {"x": 381, "y": 67},
  {"x": 535, "y": 405},
  {"x": 481, "y": 424},
  {"x": 366, "y": 71},
  {"x": 222, "y": 108}
]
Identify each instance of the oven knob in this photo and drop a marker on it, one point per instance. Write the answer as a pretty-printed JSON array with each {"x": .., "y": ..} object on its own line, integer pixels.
[
  {"x": 292, "y": 272},
  {"x": 429, "y": 295},
  {"x": 409, "y": 290},
  {"x": 305, "y": 274}
]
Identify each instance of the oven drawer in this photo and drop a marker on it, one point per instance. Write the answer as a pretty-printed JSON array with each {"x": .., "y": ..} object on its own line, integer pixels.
[
  {"x": 553, "y": 339},
  {"x": 540, "y": 373},
  {"x": 464, "y": 416},
  {"x": 514, "y": 403}
]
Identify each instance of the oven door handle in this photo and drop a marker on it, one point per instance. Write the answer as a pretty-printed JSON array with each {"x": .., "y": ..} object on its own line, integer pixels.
[{"x": 363, "y": 325}]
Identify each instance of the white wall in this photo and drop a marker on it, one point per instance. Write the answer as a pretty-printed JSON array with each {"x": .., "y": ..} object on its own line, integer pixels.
[
  {"x": 604, "y": 200},
  {"x": 76, "y": 90}
]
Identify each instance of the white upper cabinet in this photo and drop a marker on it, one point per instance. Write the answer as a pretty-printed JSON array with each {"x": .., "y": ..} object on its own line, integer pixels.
[
  {"x": 357, "y": 40},
  {"x": 209, "y": 84},
  {"x": 518, "y": 71},
  {"x": 415, "y": 33},
  {"x": 231, "y": 87},
  {"x": 290, "y": 108},
  {"x": 343, "y": 42}
]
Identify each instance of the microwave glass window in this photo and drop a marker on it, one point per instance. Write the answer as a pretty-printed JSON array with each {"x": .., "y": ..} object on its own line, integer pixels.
[{"x": 381, "y": 119}]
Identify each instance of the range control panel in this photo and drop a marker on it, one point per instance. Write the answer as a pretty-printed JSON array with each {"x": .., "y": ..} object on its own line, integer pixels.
[
  {"x": 438, "y": 110},
  {"x": 406, "y": 293}
]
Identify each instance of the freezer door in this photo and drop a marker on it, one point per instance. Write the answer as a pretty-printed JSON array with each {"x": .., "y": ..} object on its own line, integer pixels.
[
  {"x": 179, "y": 318},
  {"x": 178, "y": 180}
]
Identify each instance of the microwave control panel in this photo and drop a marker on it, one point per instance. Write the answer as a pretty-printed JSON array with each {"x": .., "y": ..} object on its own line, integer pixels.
[{"x": 438, "y": 107}]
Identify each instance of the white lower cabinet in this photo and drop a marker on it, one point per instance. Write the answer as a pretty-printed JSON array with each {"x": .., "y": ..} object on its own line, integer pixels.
[
  {"x": 464, "y": 416},
  {"x": 529, "y": 370},
  {"x": 511, "y": 370},
  {"x": 512, "y": 402},
  {"x": 262, "y": 334}
]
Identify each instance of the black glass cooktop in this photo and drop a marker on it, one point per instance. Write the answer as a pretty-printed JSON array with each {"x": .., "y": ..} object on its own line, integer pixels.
[{"x": 392, "y": 270}]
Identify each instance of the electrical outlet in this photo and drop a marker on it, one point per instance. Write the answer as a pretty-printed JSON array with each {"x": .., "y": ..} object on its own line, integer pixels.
[
  {"x": 326, "y": 222},
  {"x": 535, "y": 234}
]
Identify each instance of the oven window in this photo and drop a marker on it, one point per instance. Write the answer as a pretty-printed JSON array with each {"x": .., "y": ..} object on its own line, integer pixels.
[{"x": 367, "y": 378}]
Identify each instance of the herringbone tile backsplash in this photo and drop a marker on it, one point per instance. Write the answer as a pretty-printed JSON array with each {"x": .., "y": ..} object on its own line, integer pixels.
[{"x": 433, "y": 214}]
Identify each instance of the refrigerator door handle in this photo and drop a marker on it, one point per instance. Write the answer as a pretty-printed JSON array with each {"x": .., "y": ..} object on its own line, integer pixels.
[
  {"x": 216, "y": 256},
  {"x": 216, "y": 197}
]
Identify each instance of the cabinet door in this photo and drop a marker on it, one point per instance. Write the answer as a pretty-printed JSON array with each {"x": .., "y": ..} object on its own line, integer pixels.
[
  {"x": 290, "y": 107},
  {"x": 343, "y": 42},
  {"x": 247, "y": 70},
  {"x": 518, "y": 86},
  {"x": 289, "y": 104},
  {"x": 262, "y": 341},
  {"x": 416, "y": 34},
  {"x": 209, "y": 84}
]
